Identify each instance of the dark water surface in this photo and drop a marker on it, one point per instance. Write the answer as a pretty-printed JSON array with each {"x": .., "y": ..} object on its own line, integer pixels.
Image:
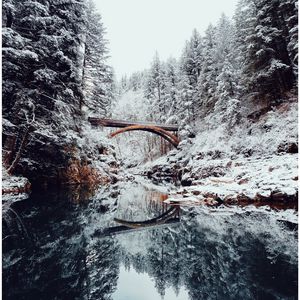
[{"x": 61, "y": 247}]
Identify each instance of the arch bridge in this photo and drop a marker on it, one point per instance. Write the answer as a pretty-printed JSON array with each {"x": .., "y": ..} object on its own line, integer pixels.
[{"x": 166, "y": 131}]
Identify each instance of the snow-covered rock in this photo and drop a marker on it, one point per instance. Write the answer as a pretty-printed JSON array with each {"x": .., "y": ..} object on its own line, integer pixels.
[{"x": 257, "y": 161}]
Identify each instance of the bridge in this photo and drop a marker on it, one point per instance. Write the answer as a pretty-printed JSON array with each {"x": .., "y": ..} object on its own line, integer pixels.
[{"x": 166, "y": 131}]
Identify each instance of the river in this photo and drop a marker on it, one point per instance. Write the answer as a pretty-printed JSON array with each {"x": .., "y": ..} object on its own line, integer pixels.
[{"x": 67, "y": 244}]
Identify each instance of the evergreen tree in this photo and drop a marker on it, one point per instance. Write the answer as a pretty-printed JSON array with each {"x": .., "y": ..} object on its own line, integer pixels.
[
  {"x": 268, "y": 67},
  {"x": 43, "y": 70},
  {"x": 226, "y": 109},
  {"x": 171, "y": 91},
  {"x": 191, "y": 64},
  {"x": 225, "y": 41},
  {"x": 98, "y": 80},
  {"x": 289, "y": 12},
  {"x": 207, "y": 80},
  {"x": 155, "y": 88}
]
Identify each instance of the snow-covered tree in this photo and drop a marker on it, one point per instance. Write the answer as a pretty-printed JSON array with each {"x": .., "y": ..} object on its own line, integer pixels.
[
  {"x": 191, "y": 64},
  {"x": 43, "y": 68},
  {"x": 289, "y": 11},
  {"x": 155, "y": 86},
  {"x": 268, "y": 67},
  {"x": 98, "y": 81},
  {"x": 171, "y": 93},
  {"x": 226, "y": 110},
  {"x": 206, "y": 86}
]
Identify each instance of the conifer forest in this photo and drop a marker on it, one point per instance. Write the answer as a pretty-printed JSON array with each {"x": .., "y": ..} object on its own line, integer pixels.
[{"x": 177, "y": 181}]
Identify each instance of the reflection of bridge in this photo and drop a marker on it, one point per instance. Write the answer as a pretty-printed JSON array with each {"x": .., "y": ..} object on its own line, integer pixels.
[
  {"x": 162, "y": 130},
  {"x": 171, "y": 216}
]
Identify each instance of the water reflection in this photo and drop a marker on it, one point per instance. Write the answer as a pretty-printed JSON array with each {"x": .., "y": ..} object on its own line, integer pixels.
[
  {"x": 204, "y": 256},
  {"x": 143, "y": 287}
]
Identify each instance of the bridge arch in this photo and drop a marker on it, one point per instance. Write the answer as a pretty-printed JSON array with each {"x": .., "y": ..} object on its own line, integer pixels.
[
  {"x": 171, "y": 138},
  {"x": 171, "y": 213}
]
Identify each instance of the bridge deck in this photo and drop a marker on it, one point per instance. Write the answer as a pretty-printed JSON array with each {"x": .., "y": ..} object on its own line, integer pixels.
[{"x": 122, "y": 124}]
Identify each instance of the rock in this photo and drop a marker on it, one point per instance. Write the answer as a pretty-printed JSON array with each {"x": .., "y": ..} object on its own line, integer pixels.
[
  {"x": 238, "y": 164},
  {"x": 215, "y": 154},
  {"x": 247, "y": 152},
  {"x": 210, "y": 201},
  {"x": 278, "y": 196},
  {"x": 229, "y": 164},
  {"x": 191, "y": 135},
  {"x": 114, "y": 179},
  {"x": 243, "y": 198},
  {"x": 199, "y": 156},
  {"x": 243, "y": 181},
  {"x": 221, "y": 180},
  {"x": 209, "y": 171},
  {"x": 288, "y": 147},
  {"x": 271, "y": 169},
  {"x": 186, "y": 182},
  {"x": 196, "y": 193},
  {"x": 259, "y": 197},
  {"x": 228, "y": 198}
]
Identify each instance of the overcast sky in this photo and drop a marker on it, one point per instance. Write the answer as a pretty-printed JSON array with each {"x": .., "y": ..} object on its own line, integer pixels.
[{"x": 138, "y": 28}]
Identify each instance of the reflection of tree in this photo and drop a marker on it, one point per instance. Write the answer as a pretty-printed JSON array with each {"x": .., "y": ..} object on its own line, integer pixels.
[
  {"x": 102, "y": 269},
  {"x": 54, "y": 267},
  {"x": 215, "y": 258},
  {"x": 64, "y": 264},
  {"x": 156, "y": 261}
]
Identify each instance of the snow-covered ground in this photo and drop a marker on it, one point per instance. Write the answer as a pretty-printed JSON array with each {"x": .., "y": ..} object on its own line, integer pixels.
[
  {"x": 256, "y": 178},
  {"x": 256, "y": 161}
]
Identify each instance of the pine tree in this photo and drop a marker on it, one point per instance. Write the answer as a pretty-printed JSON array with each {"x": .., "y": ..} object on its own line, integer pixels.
[
  {"x": 225, "y": 41},
  {"x": 226, "y": 109},
  {"x": 41, "y": 80},
  {"x": 171, "y": 90},
  {"x": 207, "y": 84},
  {"x": 268, "y": 67},
  {"x": 191, "y": 64},
  {"x": 97, "y": 77},
  {"x": 289, "y": 12},
  {"x": 155, "y": 88}
]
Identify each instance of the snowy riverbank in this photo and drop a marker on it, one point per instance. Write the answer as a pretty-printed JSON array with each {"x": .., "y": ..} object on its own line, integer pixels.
[
  {"x": 258, "y": 161},
  {"x": 243, "y": 179}
]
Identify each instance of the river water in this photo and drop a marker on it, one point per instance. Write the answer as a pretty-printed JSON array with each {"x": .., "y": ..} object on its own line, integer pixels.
[{"x": 67, "y": 244}]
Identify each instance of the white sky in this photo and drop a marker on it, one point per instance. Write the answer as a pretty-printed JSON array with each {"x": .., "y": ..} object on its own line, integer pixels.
[{"x": 138, "y": 28}]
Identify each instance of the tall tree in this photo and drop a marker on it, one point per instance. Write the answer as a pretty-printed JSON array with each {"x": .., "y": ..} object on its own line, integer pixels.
[
  {"x": 171, "y": 90},
  {"x": 43, "y": 84},
  {"x": 268, "y": 66},
  {"x": 207, "y": 80},
  {"x": 191, "y": 64},
  {"x": 98, "y": 80},
  {"x": 155, "y": 88}
]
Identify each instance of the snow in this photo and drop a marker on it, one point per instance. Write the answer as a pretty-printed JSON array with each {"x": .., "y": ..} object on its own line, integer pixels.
[
  {"x": 20, "y": 54},
  {"x": 12, "y": 38},
  {"x": 228, "y": 165},
  {"x": 132, "y": 147},
  {"x": 249, "y": 177},
  {"x": 12, "y": 185}
]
